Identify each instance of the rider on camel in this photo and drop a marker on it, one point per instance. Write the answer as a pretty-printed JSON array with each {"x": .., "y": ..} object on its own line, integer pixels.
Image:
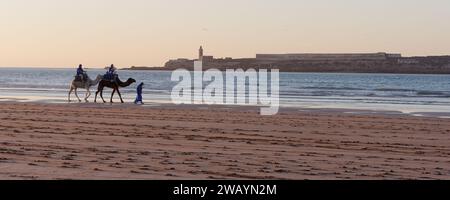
[
  {"x": 81, "y": 73},
  {"x": 111, "y": 73}
]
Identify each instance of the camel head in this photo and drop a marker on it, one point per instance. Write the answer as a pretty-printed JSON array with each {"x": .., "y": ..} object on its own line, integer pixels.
[
  {"x": 127, "y": 83},
  {"x": 99, "y": 77},
  {"x": 96, "y": 80},
  {"x": 130, "y": 80}
]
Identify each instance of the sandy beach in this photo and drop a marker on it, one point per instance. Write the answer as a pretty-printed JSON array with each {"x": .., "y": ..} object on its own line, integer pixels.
[{"x": 96, "y": 141}]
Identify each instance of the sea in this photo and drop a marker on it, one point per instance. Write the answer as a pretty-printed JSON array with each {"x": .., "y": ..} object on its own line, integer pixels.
[{"x": 413, "y": 94}]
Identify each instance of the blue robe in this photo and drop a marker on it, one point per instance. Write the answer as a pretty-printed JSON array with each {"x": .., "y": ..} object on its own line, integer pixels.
[
  {"x": 80, "y": 71},
  {"x": 139, "y": 94}
]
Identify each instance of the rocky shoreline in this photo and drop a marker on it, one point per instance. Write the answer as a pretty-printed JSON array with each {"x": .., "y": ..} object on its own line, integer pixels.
[{"x": 405, "y": 65}]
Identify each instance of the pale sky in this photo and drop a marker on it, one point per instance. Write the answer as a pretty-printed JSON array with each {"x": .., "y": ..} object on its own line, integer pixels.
[{"x": 64, "y": 33}]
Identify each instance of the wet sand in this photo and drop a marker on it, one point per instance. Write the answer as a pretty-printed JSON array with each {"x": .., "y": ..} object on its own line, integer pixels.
[{"x": 96, "y": 141}]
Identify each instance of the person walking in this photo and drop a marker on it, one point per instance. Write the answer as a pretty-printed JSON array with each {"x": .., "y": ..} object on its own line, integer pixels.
[{"x": 139, "y": 94}]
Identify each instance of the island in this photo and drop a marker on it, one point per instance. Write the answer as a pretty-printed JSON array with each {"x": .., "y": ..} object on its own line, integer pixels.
[{"x": 380, "y": 62}]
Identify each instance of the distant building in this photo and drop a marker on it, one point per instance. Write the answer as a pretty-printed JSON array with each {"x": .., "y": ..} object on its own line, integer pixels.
[
  {"x": 334, "y": 57},
  {"x": 394, "y": 55},
  {"x": 208, "y": 58},
  {"x": 321, "y": 62},
  {"x": 202, "y": 57}
]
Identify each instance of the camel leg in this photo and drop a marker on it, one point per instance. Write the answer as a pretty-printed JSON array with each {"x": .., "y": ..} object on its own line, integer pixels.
[
  {"x": 101, "y": 95},
  {"x": 112, "y": 94},
  {"x": 70, "y": 92},
  {"x": 88, "y": 94},
  {"x": 79, "y": 100},
  {"x": 118, "y": 92},
  {"x": 96, "y": 93}
]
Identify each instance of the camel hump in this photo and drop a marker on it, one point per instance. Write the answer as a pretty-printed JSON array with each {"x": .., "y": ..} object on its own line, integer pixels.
[
  {"x": 81, "y": 78},
  {"x": 78, "y": 78}
]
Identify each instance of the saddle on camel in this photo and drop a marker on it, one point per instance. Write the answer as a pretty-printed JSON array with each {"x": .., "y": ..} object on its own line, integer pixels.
[{"x": 81, "y": 74}]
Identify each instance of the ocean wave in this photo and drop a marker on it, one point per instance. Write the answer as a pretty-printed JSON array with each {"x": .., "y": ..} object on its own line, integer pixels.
[
  {"x": 331, "y": 88},
  {"x": 394, "y": 90},
  {"x": 433, "y": 93}
]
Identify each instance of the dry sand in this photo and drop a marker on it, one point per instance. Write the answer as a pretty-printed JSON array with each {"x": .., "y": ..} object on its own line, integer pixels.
[{"x": 94, "y": 141}]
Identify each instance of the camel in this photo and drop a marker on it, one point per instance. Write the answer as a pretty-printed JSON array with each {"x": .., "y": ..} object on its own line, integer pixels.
[
  {"x": 115, "y": 86},
  {"x": 86, "y": 84}
]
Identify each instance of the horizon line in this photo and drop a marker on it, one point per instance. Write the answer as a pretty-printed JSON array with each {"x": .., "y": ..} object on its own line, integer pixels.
[{"x": 96, "y": 67}]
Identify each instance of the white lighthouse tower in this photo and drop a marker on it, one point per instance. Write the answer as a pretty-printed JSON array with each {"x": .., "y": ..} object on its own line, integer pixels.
[{"x": 200, "y": 53}]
